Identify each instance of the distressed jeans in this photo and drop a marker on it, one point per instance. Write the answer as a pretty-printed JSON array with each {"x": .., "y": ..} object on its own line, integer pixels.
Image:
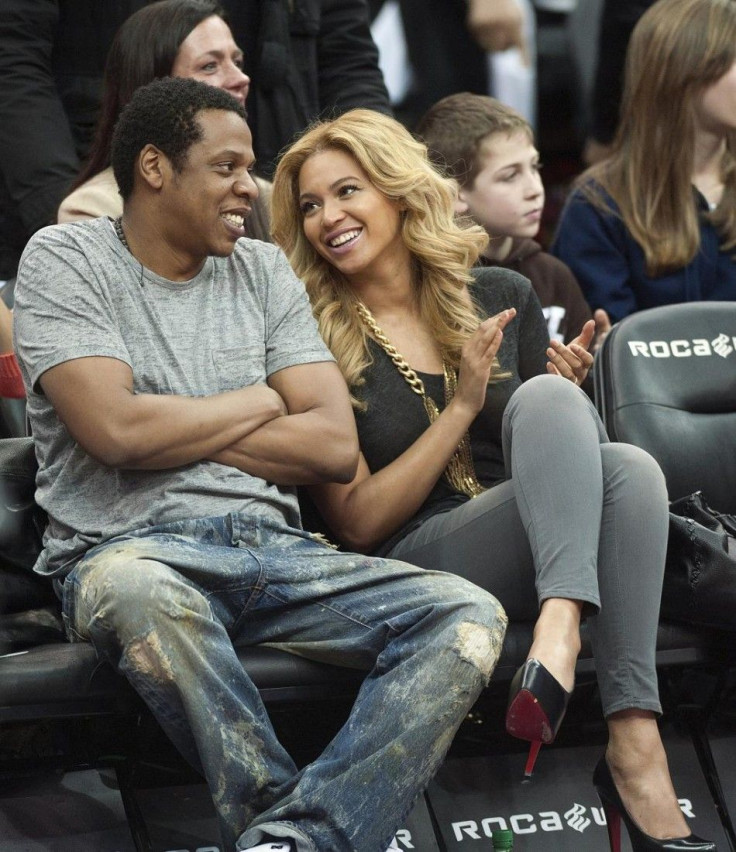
[{"x": 165, "y": 604}]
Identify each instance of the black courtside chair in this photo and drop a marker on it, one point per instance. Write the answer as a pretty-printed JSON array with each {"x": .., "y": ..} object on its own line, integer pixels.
[{"x": 665, "y": 380}]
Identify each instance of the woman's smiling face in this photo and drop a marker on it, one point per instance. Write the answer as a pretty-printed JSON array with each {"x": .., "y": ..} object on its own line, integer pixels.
[{"x": 347, "y": 220}]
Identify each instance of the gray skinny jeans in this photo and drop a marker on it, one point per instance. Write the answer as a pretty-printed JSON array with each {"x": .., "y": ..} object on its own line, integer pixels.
[{"x": 579, "y": 518}]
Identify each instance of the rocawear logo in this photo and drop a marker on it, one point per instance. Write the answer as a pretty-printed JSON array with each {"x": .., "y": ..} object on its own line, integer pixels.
[
  {"x": 578, "y": 818},
  {"x": 722, "y": 345}
]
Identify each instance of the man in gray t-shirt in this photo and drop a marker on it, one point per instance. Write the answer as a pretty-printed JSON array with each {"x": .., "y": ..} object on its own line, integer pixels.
[{"x": 178, "y": 391}]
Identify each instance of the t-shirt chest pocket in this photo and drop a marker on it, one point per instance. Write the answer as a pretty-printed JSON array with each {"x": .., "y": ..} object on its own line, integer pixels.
[{"x": 239, "y": 367}]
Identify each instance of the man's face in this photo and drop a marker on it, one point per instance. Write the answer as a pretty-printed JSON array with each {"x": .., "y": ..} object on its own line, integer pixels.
[
  {"x": 205, "y": 204},
  {"x": 507, "y": 195}
]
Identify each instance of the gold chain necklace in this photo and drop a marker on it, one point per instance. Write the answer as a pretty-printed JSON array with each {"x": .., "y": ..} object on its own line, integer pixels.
[{"x": 460, "y": 472}]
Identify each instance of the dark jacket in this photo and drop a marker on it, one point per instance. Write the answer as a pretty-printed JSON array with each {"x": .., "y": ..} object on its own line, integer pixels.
[
  {"x": 610, "y": 264},
  {"x": 52, "y": 54},
  {"x": 306, "y": 58},
  {"x": 563, "y": 303}
]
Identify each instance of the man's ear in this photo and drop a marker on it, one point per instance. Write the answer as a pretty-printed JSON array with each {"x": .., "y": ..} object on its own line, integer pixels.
[{"x": 153, "y": 166}]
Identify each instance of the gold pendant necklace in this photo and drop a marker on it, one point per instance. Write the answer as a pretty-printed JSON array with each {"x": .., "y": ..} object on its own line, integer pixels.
[{"x": 460, "y": 472}]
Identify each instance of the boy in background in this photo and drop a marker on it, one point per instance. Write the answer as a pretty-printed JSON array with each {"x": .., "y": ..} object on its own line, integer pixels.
[{"x": 488, "y": 148}]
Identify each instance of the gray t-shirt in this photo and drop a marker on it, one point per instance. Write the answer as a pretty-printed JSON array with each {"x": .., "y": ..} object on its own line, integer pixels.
[{"x": 80, "y": 293}]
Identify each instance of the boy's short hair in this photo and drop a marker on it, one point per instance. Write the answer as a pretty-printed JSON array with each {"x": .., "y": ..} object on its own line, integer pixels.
[{"x": 455, "y": 128}]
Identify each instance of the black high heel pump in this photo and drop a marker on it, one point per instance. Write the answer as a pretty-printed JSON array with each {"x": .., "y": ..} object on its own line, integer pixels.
[
  {"x": 640, "y": 842},
  {"x": 537, "y": 705}
]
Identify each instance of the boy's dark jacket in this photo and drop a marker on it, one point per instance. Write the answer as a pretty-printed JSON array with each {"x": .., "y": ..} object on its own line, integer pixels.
[{"x": 562, "y": 300}]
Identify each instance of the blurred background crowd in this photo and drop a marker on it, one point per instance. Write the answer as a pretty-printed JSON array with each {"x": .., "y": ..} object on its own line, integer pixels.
[{"x": 543, "y": 57}]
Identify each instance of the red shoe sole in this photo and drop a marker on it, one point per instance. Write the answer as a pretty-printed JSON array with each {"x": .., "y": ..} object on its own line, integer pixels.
[{"x": 526, "y": 720}]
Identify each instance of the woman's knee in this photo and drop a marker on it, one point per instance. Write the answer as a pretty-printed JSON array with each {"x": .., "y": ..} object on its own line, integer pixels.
[
  {"x": 547, "y": 392},
  {"x": 635, "y": 467}
]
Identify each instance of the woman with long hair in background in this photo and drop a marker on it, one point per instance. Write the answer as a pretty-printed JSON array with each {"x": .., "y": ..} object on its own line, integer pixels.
[{"x": 655, "y": 222}]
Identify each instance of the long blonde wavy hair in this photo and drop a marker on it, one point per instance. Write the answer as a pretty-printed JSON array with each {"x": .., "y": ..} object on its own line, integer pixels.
[
  {"x": 677, "y": 49},
  {"x": 442, "y": 249}
]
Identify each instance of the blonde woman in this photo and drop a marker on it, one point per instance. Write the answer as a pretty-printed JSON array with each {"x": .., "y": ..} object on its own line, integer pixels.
[
  {"x": 474, "y": 460},
  {"x": 655, "y": 223}
]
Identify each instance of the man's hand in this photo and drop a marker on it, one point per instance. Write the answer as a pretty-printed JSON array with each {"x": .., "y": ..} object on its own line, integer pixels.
[
  {"x": 316, "y": 442},
  {"x": 496, "y": 24}
]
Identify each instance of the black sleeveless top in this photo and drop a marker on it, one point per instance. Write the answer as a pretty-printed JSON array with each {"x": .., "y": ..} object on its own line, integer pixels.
[{"x": 395, "y": 416}]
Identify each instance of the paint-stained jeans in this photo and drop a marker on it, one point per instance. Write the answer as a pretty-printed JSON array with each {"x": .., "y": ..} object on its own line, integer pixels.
[{"x": 165, "y": 604}]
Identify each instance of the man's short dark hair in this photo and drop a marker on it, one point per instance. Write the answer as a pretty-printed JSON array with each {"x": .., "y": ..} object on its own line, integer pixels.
[
  {"x": 455, "y": 128},
  {"x": 164, "y": 113}
]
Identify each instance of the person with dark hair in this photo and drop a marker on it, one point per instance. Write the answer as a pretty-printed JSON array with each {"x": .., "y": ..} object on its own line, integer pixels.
[
  {"x": 179, "y": 38},
  {"x": 178, "y": 390},
  {"x": 655, "y": 222},
  {"x": 173, "y": 131},
  {"x": 146, "y": 47}
]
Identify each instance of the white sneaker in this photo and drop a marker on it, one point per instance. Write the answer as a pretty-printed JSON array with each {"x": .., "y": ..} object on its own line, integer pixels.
[{"x": 270, "y": 847}]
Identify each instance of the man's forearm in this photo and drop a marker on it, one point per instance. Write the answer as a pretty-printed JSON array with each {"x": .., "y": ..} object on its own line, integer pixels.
[
  {"x": 156, "y": 443},
  {"x": 299, "y": 449},
  {"x": 94, "y": 399}
]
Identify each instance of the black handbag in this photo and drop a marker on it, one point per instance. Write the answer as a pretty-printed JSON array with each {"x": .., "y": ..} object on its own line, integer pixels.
[{"x": 700, "y": 572}]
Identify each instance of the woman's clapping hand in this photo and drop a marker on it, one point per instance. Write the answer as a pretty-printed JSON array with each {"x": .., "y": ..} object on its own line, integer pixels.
[
  {"x": 572, "y": 361},
  {"x": 477, "y": 359}
]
